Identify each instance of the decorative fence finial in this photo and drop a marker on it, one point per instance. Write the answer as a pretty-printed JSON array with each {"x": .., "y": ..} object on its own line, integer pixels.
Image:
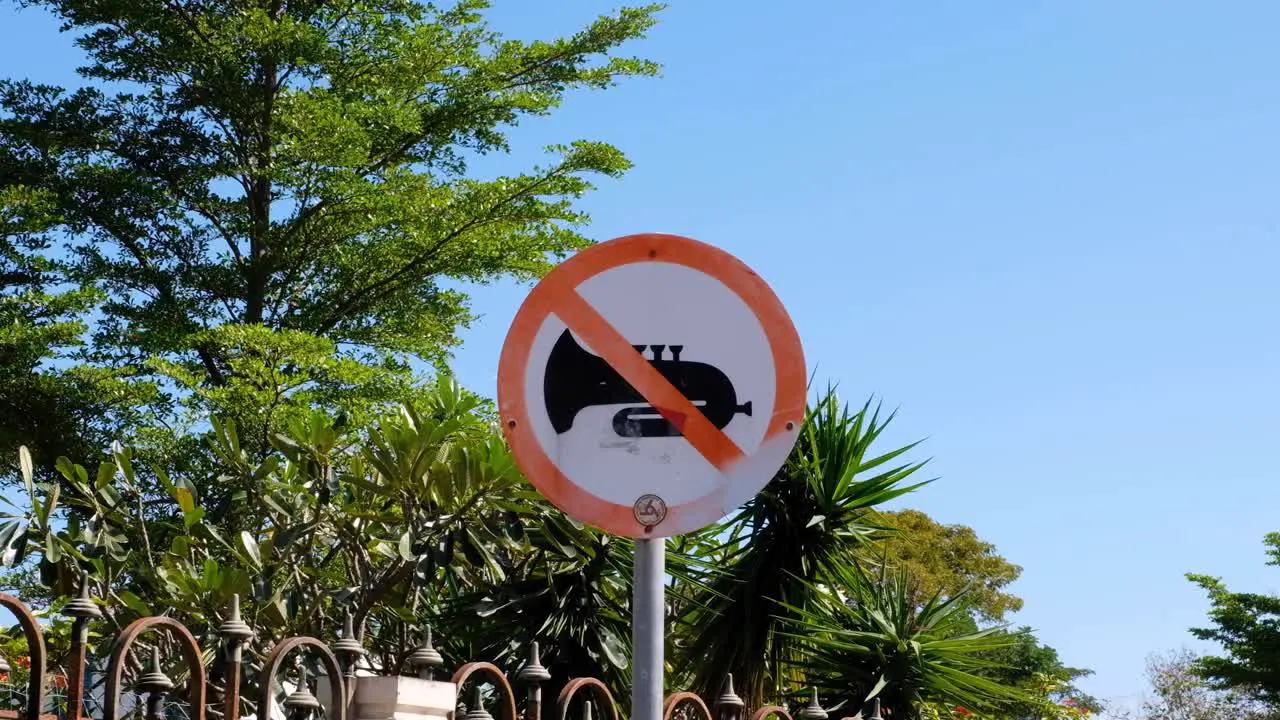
[
  {"x": 301, "y": 703},
  {"x": 477, "y": 711},
  {"x": 533, "y": 674},
  {"x": 82, "y": 607},
  {"x": 425, "y": 658},
  {"x": 235, "y": 634},
  {"x": 349, "y": 650},
  {"x": 81, "y": 610},
  {"x": 728, "y": 705},
  {"x": 234, "y": 629},
  {"x": 155, "y": 685},
  {"x": 812, "y": 711},
  {"x": 533, "y": 671}
]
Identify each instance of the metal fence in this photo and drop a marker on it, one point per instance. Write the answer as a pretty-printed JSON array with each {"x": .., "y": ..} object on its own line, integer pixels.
[{"x": 155, "y": 692}]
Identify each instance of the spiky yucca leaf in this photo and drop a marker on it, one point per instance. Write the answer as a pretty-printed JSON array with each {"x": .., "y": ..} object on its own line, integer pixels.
[{"x": 864, "y": 636}]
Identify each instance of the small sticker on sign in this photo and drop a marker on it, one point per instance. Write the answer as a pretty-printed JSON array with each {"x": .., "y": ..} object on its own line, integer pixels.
[{"x": 649, "y": 510}]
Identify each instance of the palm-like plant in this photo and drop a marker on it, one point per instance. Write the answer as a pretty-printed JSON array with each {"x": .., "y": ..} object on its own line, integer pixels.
[
  {"x": 806, "y": 526},
  {"x": 565, "y": 586},
  {"x": 864, "y": 636}
]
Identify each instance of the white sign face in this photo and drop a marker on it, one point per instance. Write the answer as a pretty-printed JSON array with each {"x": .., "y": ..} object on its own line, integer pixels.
[{"x": 650, "y": 385}]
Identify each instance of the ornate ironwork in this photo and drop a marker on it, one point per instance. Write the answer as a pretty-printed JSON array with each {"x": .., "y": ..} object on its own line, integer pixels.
[
  {"x": 36, "y": 652},
  {"x": 598, "y": 689},
  {"x": 682, "y": 700},
  {"x": 338, "y": 663},
  {"x": 499, "y": 679},
  {"x": 771, "y": 710},
  {"x": 337, "y": 684},
  {"x": 190, "y": 651}
]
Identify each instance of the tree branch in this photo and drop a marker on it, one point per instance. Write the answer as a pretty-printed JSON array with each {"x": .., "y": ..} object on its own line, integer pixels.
[{"x": 359, "y": 296}]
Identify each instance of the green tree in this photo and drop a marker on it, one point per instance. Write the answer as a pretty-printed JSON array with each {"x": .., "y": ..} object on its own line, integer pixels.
[
  {"x": 1247, "y": 627},
  {"x": 1030, "y": 665},
  {"x": 47, "y": 407},
  {"x": 264, "y": 204},
  {"x": 947, "y": 560}
]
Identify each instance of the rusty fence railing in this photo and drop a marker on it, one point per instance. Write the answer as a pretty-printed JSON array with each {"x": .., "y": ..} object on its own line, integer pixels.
[{"x": 37, "y": 701}]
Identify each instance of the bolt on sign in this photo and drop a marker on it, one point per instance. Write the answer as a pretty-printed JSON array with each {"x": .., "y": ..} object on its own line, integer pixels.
[{"x": 650, "y": 385}]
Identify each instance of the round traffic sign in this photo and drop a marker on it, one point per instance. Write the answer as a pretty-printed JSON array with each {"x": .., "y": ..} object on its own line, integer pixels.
[{"x": 651, "y": 384}]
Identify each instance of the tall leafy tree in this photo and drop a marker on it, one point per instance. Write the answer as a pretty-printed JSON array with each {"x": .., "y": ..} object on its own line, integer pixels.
[
  {"x": 1247, "y": 627},
  {"x": 47, "y": 406},
  {"x": 947, "y": 560},
  {"x": 271, "y": 196}
]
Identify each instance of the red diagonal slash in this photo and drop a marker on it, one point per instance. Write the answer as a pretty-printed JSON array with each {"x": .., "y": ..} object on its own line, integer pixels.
[{"x": 609, "y": 344}]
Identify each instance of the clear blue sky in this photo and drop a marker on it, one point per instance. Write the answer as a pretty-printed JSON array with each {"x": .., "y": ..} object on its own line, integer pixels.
[{"x": 1046, "y": 231}]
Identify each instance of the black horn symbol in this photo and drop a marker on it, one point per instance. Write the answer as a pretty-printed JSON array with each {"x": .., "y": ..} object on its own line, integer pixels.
[{"x": 576, "y": 379}]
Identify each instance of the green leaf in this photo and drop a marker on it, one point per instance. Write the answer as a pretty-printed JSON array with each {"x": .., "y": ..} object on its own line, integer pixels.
[
  {"x": 165, "y": 483},
  {"x": 206, "y": 531},
  {"x": 52, "y": 549},
  {"x": 28, "y": 469},
  {"x": 44, "y": 510},
  {"x": 406, "y": 547},
  {"x": 880, "y": 685},
  {"x": 106, "y": 473},
  {"x": 185, "y": 497},
  {"x": 72, "y": 472},
  {"x": 249, "y": 546},
  {"x": 192, "y": 518},
  {"x": 110, "y": 497},
  {"x": 134, "y": 603},
  {"x": 124, "y": 461},
  {"x": 210, "y": 573}
]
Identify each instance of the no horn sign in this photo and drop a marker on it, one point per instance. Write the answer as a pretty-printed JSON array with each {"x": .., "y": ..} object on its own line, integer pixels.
[{"x": 651, "y": 384}]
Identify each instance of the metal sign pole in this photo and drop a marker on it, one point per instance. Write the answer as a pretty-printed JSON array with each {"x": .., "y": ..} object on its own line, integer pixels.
[{"x": 647, "y": 626}]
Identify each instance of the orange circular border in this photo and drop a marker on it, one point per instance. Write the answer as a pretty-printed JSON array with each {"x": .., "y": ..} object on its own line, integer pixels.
[{"x": 784, "y": 343}]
